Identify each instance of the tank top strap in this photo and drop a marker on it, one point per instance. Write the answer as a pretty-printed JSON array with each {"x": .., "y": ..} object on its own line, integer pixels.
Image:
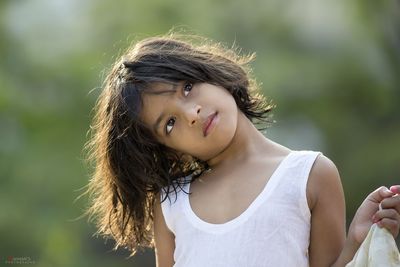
[
  {"x": 171, "y": 200},
  {"x": 294, "y": 178}
]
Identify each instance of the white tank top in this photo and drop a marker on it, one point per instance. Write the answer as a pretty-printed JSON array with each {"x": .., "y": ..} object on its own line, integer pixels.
[{"x": 273, "y": 231}]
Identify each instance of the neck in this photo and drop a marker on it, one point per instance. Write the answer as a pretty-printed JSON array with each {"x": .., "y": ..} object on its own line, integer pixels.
[{"x": 246, "y": 142}]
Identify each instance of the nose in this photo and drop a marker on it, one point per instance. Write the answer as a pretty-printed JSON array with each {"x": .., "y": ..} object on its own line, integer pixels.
[{"x": 192, "y": 114}]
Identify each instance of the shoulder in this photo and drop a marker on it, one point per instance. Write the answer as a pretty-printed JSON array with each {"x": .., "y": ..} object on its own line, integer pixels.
[
  {"x": 327, "y": 205},
  {"x": 324, "y": 176}
]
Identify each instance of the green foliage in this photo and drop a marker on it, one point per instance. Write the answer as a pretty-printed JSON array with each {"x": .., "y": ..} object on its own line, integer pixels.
[{"x": 332, "y": 68}]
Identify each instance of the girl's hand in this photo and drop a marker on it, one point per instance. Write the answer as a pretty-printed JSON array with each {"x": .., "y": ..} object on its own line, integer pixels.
[{"x": 368, "y": 213}]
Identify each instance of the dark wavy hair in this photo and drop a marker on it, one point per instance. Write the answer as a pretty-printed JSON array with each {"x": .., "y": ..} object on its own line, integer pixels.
[{"x": 130, "y": 166}]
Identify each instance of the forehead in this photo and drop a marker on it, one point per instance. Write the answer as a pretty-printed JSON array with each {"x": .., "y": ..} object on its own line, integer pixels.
[{"x": 156, "y": 88}]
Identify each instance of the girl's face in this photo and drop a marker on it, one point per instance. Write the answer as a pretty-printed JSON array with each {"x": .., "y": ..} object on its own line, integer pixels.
[{"x": 196, "y": 119}]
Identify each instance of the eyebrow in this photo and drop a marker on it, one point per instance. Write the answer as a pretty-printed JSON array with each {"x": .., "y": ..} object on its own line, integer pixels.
[{"x": 156, "y": 125}]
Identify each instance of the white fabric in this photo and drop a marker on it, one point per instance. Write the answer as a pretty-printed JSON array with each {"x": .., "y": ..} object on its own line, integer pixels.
[
  {"x": 273, "y": 231},
  {"x": 378, "y": 250}
]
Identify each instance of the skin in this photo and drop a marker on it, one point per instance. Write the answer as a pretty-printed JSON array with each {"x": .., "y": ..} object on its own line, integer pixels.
[
  {"x": 234, "y": 149},
  {"x": 190, "y": 108}
]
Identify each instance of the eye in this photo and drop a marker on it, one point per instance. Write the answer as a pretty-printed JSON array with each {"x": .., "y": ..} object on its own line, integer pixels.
[
  {"x": 187, "y": 87},
  {"x": 169, "y": 125}
]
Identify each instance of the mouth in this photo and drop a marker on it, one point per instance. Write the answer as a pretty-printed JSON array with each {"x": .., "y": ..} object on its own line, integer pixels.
[{"x": 209, "y": 123}]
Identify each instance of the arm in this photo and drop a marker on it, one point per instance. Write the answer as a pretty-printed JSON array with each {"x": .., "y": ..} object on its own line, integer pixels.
[
  {"x": 164, "y": 239},
  {"x": 369, "y": 213},
  {"x": 328, "y": 244},
  {"x": 326, "y": 201}
]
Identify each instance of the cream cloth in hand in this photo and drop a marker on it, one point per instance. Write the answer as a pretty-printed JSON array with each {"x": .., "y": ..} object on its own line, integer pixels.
[{"x": 378, "y": 250}]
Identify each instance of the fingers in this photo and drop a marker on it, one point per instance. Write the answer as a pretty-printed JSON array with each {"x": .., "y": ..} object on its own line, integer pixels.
[
  {"x": 391, "y": 225},
  {"x": 389, "y": 216},
  {"x": 391, "y": 203},
  {"x": 395, "y": 189},
  {"x": 381, "y": 193}
]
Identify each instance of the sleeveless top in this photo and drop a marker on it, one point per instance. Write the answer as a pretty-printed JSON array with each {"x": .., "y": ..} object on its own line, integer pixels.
[{"x": 273, "y": 231}]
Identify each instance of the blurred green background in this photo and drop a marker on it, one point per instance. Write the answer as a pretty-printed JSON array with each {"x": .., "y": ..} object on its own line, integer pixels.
[{"x": 332, "y": 68}]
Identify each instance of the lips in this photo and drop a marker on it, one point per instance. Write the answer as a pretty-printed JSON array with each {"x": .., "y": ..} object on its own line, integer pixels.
[{"x": 208, "y": 123}]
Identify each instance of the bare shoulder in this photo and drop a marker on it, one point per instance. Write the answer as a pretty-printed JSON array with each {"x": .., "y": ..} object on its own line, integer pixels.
[
  {"x": 324, "y": 176},
  {"x": 326, "y": 201}
]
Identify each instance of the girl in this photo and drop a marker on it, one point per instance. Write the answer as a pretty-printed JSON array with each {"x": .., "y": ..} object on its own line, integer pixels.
[{"x": 181, "y": 167}]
